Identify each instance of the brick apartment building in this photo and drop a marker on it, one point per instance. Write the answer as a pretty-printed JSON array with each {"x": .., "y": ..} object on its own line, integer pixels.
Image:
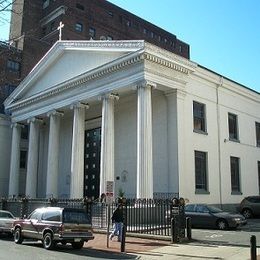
[
  {"x": 35, "y": 31},
  {"x": 34, "y": 25},
  {"x": 10, "y": 71}
]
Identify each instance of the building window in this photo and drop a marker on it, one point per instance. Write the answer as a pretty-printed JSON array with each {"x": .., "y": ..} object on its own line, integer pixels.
[
  {"x": 79, "y": 27},
  {"x": 201, "y": 171},
  {"x": 232, "y": 127},
  {"x": 92, "y": 32},
  {"x": 45, "y": 3},
  {"x": 23, "y": 159},
  {"x": 79, "y": 6},
  {"x": 25, "y": 132},
  {"x": 180, "y": 48},
  {"x": 127, "y": 23},
  {"x": 152, "y": 34},
  {"x": 145, "y": 31},
  {"x": 110, "y": 13},
  {"x": 13, "y": 65},
  {"x": 257, "y": 129},
  {"x": 199, "y": 121},
  {"x": 173, "y": 44},
  {"x": 235, "y": 180}
]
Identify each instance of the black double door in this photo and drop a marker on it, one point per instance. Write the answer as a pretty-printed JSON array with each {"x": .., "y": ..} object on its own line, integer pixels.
[{"x": 92, "y": 163}]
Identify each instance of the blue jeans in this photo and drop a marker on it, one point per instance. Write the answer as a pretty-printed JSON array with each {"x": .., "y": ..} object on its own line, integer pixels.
[{"x": 117, "y": 230}]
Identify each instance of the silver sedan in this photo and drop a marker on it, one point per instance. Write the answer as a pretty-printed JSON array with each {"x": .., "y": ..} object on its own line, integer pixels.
[{"x": 6, "y": 221}]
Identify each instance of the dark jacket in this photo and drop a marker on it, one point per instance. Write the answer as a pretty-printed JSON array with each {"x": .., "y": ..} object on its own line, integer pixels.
[{"x": 118, "y": 215}]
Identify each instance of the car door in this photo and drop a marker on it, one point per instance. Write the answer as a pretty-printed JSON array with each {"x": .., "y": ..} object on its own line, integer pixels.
[
  {"x": 6, "y": 221},
  {"x": 256, "y": 206},
  {"x": 190, "y": 212},
  {"x": 30, "y": 225},
  {"x": 203, "y": 216}
]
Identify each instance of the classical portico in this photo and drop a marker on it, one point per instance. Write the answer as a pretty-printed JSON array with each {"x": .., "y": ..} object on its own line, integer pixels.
[{"x": 75, "y": 84}]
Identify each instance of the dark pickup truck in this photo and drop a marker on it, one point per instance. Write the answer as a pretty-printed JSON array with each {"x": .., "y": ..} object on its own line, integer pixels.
[{"x": 52, "y": 225}]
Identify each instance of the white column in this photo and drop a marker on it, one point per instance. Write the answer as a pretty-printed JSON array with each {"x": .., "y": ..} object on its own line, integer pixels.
[
  {"x": 32, "y": 163},
  {"x": 53, "y": 154},
  {"x": 107, "y": 142},
  {"x": 15, "y": 160},
  {"x": 172, "y": 137},
  {"x": 144, "y": 142},
  {"x": 77, "y": 151}
]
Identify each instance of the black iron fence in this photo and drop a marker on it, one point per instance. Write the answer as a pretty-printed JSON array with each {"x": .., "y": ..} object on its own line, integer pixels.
[{"x": 145, "y": 216}]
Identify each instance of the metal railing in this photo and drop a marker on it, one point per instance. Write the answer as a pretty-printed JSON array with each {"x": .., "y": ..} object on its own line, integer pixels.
[{"x": 143, "y": 216}]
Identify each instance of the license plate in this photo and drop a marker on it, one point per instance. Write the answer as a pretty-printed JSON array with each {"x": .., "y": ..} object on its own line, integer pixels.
[{"x": 77, "y": 239}]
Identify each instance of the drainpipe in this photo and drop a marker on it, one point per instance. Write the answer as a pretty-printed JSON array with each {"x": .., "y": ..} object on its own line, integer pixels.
[{"x": 219, "y": 141}]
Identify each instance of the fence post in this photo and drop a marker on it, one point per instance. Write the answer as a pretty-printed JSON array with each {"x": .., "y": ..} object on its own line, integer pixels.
[
  {"x": 108, "y": 222},
  {"x": 188, "y": 226},
  {"x": 53, "y": 201},
  {"x": 174, "y": 231},
  {"x": 122, "y": 201},
  {"x": 253, "y": 247},
  {"x": 3, "y": 204},
  {"x": 24, "y": 207}
]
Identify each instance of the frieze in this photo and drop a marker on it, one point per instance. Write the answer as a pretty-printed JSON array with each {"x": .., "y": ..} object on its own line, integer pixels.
[{"x": 102, "y": 44}]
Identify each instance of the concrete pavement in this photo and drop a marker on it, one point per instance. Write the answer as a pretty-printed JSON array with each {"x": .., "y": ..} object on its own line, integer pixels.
[{"x": 155, "y": 249}]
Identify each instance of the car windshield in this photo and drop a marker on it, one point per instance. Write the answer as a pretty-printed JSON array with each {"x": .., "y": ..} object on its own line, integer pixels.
[
  {"x": 76, "y": 216},
  {"x": 214, "y": 209}
]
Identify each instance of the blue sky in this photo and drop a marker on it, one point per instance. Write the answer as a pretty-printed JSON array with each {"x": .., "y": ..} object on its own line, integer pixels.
[{"x": 224, "y": 35}]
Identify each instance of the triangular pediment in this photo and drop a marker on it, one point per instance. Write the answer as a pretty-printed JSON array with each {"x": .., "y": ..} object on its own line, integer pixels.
[{"x": 67, "y": 60}]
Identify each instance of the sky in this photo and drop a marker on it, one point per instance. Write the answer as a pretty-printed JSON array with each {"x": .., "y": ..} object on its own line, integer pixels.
[{"x": 224, "y": 35}]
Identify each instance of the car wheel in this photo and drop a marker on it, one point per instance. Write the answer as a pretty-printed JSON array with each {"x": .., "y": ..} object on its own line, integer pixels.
[
  {"x": 222, "y": 224},
  {"x": 18, "y": 238},
  {"x": 48, "y": 242},
  {"x": 77, "y": 245},
  {"x": 247, "y": 213}
]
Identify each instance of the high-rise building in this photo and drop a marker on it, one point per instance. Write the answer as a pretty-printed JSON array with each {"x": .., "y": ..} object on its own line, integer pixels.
[{"x": 34, "y": 27}]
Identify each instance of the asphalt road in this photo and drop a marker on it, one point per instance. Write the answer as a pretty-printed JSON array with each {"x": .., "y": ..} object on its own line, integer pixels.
[
  {"x": 35, "y": 251},
  {"x": 238, "y": 237}
]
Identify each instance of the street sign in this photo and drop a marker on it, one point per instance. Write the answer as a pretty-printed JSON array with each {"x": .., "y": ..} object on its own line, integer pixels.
[{"x": 109, "y": 191}]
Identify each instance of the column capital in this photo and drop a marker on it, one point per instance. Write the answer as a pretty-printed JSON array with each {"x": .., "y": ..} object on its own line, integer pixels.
[
  {"x": 55, "y": 113},
  {"x": 146, "y": 84},
  {"x": 79, "y": 105},
  {"x": 34, "y": 120},
  {"x": 13, "y": 125},
  {"x": 114, "y": 96}
]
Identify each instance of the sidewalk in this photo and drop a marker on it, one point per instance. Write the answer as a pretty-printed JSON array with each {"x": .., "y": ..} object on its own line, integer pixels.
[{"x": 155, "y": 249}]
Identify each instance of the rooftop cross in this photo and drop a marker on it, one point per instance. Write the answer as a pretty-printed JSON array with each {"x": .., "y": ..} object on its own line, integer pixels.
[{"x": 60, "y": 29}]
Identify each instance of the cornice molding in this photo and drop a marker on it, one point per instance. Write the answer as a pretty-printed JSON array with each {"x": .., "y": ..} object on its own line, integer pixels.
[
  {"x": 130, "y": 45},
  {"x": 177, "y": 64},
  {"x": 170, "y": 56},
  {"x": 77, "y": 82}
]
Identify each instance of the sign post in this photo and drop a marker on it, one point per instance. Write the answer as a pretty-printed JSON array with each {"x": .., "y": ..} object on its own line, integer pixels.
[{"x": 109, "y": 200}]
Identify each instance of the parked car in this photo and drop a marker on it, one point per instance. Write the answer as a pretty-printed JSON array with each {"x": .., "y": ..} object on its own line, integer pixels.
[
  {"x": 52, "y": 225},
  {"x": 250, "y": 206},
  {"x": 206, "y": 216},
  {"x": 6, "y": 221},
  {"x": 203, "y": 215}
]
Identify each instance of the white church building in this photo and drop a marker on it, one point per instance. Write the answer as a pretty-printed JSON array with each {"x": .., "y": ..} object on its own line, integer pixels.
[{"x": 130, "y": 116}]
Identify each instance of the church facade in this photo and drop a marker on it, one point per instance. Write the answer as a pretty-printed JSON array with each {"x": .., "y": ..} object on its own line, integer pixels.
[{"x": 129, "y": 116}]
